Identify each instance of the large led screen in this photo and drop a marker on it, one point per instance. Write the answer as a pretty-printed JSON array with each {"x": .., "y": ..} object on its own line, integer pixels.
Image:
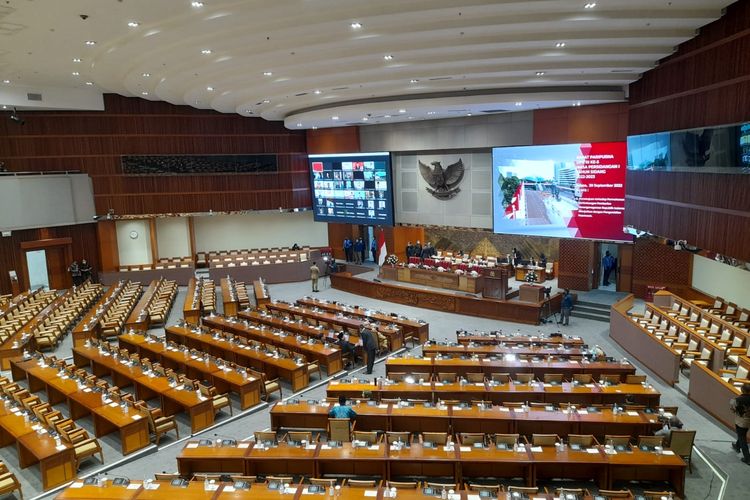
[
  {"x": 353, "y": 188},
  {"x": 565, "y": 191}
]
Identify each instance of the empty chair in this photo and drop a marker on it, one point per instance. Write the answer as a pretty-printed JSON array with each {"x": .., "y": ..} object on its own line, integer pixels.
[
  {"x": 361, "y": 483},
  {"x": 650, "y": 441},
  {"x": 8, "y": 482},
  {"x": 298, "y": 436},
  {"x": 158, "y": 424},
  {"x": 681, "y": 443},
  {"x": 657, "y": 495},
  {"x": 447, "y": 377},
  {"x": 587, "y": 440},
  {"x": 553, "y": 378},
  {"x": 635, "y": 379},
  {"x": 609, "y": 379},
  {"x": 544, "y": 439},
  {"x": 339, "y": 429},
  {"x": 265, "y": 436},
  {"x": 494, "y": 489},
  {"x": 438, "y": 486},
  {"x": 471, "y": 438},
  {"x": 578, "y": 492},
  {"x": 524, "y": 378},
  {"x": 501, "y": 378},
  {"x": 529, "y": 490},
  {"x": 475, "y": 377},
  {"x": 615, "y": 440},
  {"x": 167, "y": 476},
  {"x": 582, "y": 378},
  {"x": 369, "y": 437},
  {"x": 507, "y": 440},
  {"x": 406, "y": 485},
  {"x": 437, "y": 438},
  {"x": 392, "y": 437},
  {"x": 615, "y": 494},
  {"x": 322, "y": 481}
]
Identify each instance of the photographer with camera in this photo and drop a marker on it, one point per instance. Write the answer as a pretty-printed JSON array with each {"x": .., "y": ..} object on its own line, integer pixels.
[{"x": 566, "y": 307}]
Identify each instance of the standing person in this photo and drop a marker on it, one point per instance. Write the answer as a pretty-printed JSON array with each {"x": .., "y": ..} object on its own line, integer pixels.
[
  {"x": 362, "y": 250},
  {"x": 370, "y": 346},
  {"x": 566, "y": 307},
  {"x": 358, "y": 250},
  {"x": 409, "y": 250},
  {"x": 543, "y": 261},
  {"x": 348, "y": 249},
  {"x": 314, "y": 275},
  {"x": 85, "y": 271},
  {"x": 75, "y": 273},
  {"x": 741, "y": 408},
  {"x": 608, "y": 263},
  {"x": 417, "y": 249},
  {"x": 374, "y": 250}
]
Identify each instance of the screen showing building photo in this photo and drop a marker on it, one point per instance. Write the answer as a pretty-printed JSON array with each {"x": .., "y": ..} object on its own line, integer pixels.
[
  {"x": 353, "y": 188},
  {"x": 565, "y": 191}
]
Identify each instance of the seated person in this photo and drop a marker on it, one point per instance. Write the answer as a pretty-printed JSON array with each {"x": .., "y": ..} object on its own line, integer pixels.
[
  {"x": 670, "y": 423},
  {"x": 342, "y": 410},
  {"x": 346, "y": 347}
]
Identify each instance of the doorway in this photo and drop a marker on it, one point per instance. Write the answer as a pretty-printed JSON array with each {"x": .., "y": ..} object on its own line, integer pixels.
[
  {"x": 608, "y": 257},
  {"x": 36, "y": 263}
]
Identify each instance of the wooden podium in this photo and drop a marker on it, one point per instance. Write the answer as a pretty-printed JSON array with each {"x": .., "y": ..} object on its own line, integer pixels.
[
  {"x": 531, "y": 293},
  {"x": 496, "y": 284}
]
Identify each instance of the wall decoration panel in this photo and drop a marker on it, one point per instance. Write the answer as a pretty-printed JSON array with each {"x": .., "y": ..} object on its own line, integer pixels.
[
  {"x": 576, "y": 262},
  {"x": 659, "y": 265}
]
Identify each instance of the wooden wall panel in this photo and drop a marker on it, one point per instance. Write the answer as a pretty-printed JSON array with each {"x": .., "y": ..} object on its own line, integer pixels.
[
  {"x": 599, "y": 123},
  {"x": 84, "y": 245},
  {"x": 337, "y": 233},
  {"x": 333, "y": 140},
  {"x": 109, "y": 255},
  {"x": 93, "y": 142},
  {"x": 705, "y": 82},
  {"x": 576, "y": 263},
  {"x": 660, "y": 265}
]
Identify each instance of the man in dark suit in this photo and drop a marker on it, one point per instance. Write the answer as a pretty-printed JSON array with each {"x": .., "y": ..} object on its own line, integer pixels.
[
  {"x": 417, "y": 249},
  {"x": 369, "y": 345}
]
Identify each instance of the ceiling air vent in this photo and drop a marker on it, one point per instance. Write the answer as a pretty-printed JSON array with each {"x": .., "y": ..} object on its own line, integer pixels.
[
  {"x": 494, "y": 111},
  {"x": 621, "y": 71},
  {"x": 441, "y": 78},
  {"x": 341, "y": 88},
  {"x": 300, "y": 94},
  {"x": 34, "y": 97}
]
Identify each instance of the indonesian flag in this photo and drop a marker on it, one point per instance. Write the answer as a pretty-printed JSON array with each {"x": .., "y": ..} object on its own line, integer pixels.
[
  {"x": 382, "y": 251},
  {"x": 513, "y": 211}
]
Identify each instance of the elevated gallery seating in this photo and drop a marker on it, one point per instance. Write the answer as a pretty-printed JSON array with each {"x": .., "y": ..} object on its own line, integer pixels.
[
  {"x": 252, "y": 257},
  {"x": 61, "y": 318}
]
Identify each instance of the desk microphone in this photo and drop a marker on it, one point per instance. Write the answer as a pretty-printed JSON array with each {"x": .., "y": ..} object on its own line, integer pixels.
[{"x": 225, "y": 440}]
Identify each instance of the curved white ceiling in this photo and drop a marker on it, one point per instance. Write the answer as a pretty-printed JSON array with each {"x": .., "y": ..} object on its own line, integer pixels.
[{"x": 363, "y": 61}]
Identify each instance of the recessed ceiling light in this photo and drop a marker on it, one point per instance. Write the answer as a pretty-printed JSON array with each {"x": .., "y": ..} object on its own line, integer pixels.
[
  {"x": 134, "y": 24},
  {"x": 519, "y": 103},
  {"x": 590, "y": 5},
  {"x": 266, "y": 101},
  {"x": 560, "y": 45},
  {"x": 388, "y": 57},
  {"x": 210, "y": 89},
  {"x": 144, "y": 93},
  {"x": 89, "y": 83},
  {"x": 145, "y": 75},
  {"x": 334, "y": 118},
  {"x": 356, "y": 25},
  {"x": 6, "y": 81},
  {"x": 196, "y": 4},
  {"x": 577, "y": 103},
  {"x": 315, "y": 127},
  {"x": 5, "y": 107},
  {"x": 386, "y": 116},
  {"x": 267, "y": 73},
  {"x": 411, "y": 117},
  {"x": 299, "y": 124},
  {"x": 364, "y": 118},
  {"x": 540, "y": 73},
  {"x": 76, "y": 59},
  {"x": 468, "y": 114},
  {"x": 402, "y": 110},
  {"x": 317, "y": 92},
  {"x": 430, "y": 112},
  {"x": 90, "y": 43},
  {"x": 205, "y": 52},
  {"x": 76, "y": 73},
  {"x": 413, "y": 80}
]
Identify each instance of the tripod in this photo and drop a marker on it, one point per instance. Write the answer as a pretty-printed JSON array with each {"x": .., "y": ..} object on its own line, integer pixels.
[{"x": 547, "y": 308}]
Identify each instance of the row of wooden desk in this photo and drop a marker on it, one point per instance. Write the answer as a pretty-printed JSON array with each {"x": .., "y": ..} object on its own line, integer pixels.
[
  {"x": 172, "y": 399},
  {"x": 224, "y": 379},
  {"x": 455, "y": 419},
  {"x": 392, "y": 332},
  {"x": 555, "y": 350},
  {"x": 107, "y": 417},
  {"x": 461, "y": 463},
  {"x": 488, "y": 366},
  {"x": 417, "y": 329},
  {"x": 494, "y": 338},
  {"x": 583, "y": 394},
  {"x": 195, "y": 490},
  {"x": 329, "y": 356},
  {"x": 262, "y": 297},
  {"x": 243, "y": 355}
]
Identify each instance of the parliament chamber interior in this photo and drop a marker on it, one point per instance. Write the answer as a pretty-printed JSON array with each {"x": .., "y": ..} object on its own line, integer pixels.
[{"x": 429, "y": 249}]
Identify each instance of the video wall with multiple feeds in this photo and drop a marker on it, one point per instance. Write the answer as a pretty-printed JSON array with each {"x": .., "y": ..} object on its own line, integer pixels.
[
  {"x": 562, "y": 191},
  {"x": 352, "y": 188}
]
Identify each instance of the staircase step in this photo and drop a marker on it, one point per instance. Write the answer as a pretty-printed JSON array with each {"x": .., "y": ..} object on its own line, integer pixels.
[
  {"x": 594, "y": 305},
  {"x": 595, "y": 317},
  {"x": 591, "y": 310}
]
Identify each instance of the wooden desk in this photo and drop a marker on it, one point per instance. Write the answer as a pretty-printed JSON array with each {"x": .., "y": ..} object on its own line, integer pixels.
[
  {"x": 57, "y": 466},
  {"x": 139, "y": 319},
  {"x": 555, "y": 350},
  {"x": 393, "y": 333},
  {"x": 420, "y": 330},
  {"x": 287, "y": 369},
  {"x": 488, "y": 366},
  {"x": 637, "y": 465},
  {"x": 108, "y": 418},
  {"x": 262, "y": 297},
  {"x": 191, "y": 309},
  {"x": 222, "y": 378},
  {"x": 496, "y": 338},
  {"x": 291, "y": 326},
  {"x": 498, "y": 393},
  {"x": 329, "y": 356},
  {"x": 281, "y": 460},
  {"x": 523, "y": 271},
  {"x": 229, "y": 298},
  {"x": 712, "y": 393},
  {"x": 496, "y": 419},
  {"x": 434, "y": 278},
  {"x": 172, "y": 400},
  {"x": 531, "y": 293}
]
